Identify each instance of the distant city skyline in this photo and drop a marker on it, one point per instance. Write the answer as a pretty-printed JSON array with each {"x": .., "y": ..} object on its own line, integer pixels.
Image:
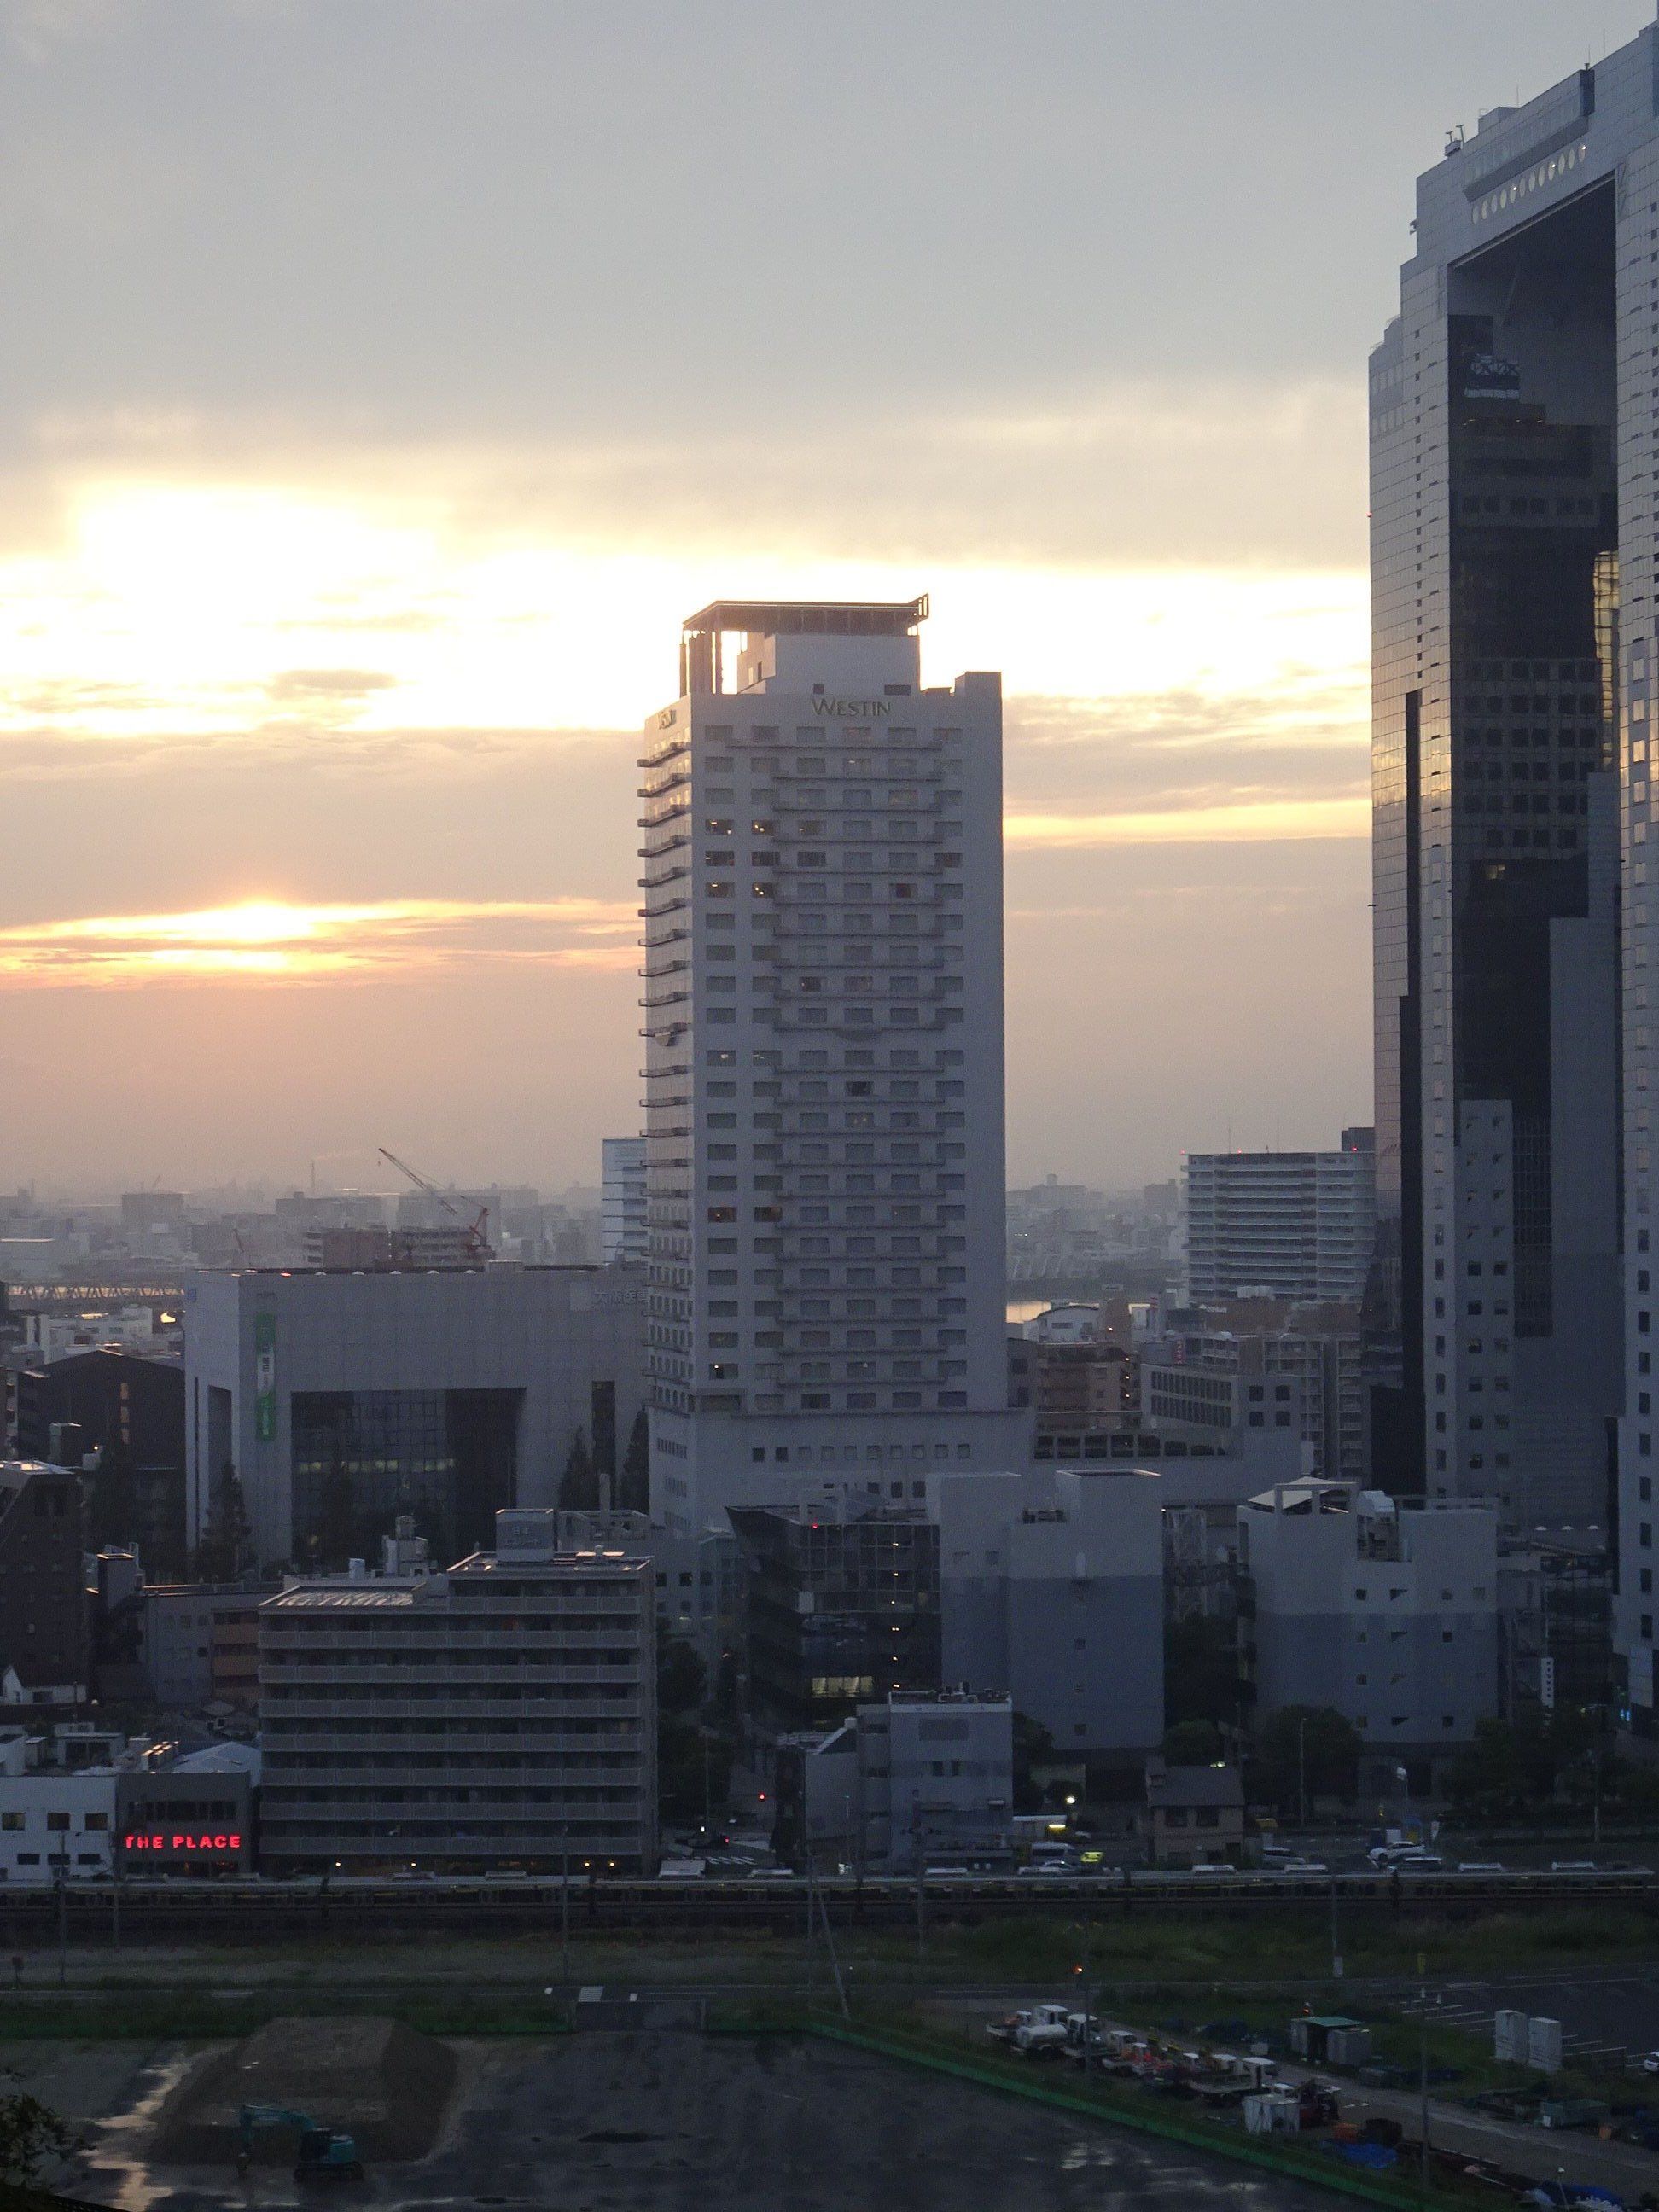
[{"x": 371, "y": 425}]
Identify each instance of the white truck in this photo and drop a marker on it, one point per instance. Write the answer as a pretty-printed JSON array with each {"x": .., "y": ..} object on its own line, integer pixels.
[{"x": 1044, "y": 2031}]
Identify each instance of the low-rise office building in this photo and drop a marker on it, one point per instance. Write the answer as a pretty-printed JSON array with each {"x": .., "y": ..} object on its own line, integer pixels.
[
  {"x": 55, "y": 1824},
  {"x": 194, "y": 1816},
  {"x": 841, "y": 1605},
  {"x": 936, "y": 1778},
  {"x": 910, "y": 1778},
  {"x": 1051, "y": 1591},
  {"x": 1388, "y": 1613},
  {"x": 199, "y": 1643},
  {"x": 83, "y": 1803},
  {"x": 500, "y": 1715}
]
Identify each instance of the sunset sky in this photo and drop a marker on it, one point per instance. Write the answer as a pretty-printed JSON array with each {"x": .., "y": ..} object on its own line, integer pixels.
[{"x": 382, "y": 380}]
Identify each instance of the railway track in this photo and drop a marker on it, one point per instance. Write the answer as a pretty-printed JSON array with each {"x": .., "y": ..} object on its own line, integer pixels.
[{"x": 228, "y": 1907}]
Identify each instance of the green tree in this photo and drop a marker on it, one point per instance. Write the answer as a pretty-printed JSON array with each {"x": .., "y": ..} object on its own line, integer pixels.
[
  {"x": 682, "y": 1676},
  {"x": 29, "y": 2132},
  {"x": 694, "y": 1761},
  {"x": 112, "y": 1517},
  {"x": 578, "y": 1486},
  {"x": 227, "y": 1547},
  {"x": 1194, "y": 1743},
  {"x": 684, "y": 1782},
  {"x": 633, "y": 1483},
  {"x": 1201, "y": 1671},
  {"x": 1514, "y": 1767},
  {"x": 1315, "y": 1743}
]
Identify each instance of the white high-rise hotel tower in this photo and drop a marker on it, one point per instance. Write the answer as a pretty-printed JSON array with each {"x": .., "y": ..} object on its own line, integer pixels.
[{"x": 821, "y": 875}]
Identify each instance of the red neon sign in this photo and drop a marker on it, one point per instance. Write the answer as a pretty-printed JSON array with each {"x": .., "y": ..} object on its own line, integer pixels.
[{"x": 182, "y": 1843}]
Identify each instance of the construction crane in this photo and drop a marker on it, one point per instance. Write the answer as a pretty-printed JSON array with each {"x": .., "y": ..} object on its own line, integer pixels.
[{"x": 475, "y": 1232}]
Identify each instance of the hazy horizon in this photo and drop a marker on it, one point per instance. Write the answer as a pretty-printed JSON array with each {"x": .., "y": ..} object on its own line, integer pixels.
[{"x": 387, "y": 380}]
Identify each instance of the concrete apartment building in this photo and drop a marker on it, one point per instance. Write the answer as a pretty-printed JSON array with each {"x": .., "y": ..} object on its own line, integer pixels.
[
  {"x": 1513, "y": 426},
  {"x": 500, "y": 1715},
  {"x": 822, "y": 866},
  {"x": 1385, "y": 1612},
  {"x": 1051, "y": 1591},
  {"x": 1280, "y": 1225},
  {"x": 345, "y": 1399},
  {"x": 624, "y": 1228}
]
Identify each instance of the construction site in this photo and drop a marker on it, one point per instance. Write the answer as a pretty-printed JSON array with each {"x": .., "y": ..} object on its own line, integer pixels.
[{"x": 640, "y": 2109}]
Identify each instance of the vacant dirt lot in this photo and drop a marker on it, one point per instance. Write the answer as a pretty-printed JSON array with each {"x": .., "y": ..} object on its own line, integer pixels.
[{"x": 647, "y": 2118}]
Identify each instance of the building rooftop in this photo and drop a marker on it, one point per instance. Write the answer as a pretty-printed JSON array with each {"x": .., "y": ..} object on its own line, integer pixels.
[
  {"x": 809, "y": 617},
  {"x": 345, "y": 1596},
  {"x": 1193, "y": 1786}
]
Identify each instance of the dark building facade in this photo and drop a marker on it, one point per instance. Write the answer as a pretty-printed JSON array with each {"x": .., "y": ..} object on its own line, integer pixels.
[
  {"x": 841, "y": 1606},
  {"x": 193, "y": 1818},
  {"x": 1494, "y": 1314},
  {"x": 134, "y": 1407},
  {"x": 43, "y": 1607}
]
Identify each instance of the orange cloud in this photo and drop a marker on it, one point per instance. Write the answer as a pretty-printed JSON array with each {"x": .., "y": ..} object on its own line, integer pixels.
[
  {"x": 279, "y": 940},
  {"x": 1244, "y": 821}
]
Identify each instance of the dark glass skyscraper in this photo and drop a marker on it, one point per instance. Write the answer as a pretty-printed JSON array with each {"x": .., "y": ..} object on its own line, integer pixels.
[{"x": 1497, "y": 580}]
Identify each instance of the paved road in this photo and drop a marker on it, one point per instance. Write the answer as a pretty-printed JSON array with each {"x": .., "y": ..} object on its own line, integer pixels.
[
  {"x": 653, "y": 2120},
  {"x": 1602, "y": 2010},
  {"x": 1536, "y": 2151}
]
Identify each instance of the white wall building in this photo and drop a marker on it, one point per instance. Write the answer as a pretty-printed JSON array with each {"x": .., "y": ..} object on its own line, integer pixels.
[
  {"x": 936, "y": 1777},
  {"x": 51, "y": 1821},
  {"x": 623, "y": 1224},
  {"x": 1065, "y": 1324},
  {"x": 1386, "y": 1613},
  {"x": 822, "y": 865},
  {"x": 1051, "y": 1590},
  {"x": 1280, "y": 1224}
]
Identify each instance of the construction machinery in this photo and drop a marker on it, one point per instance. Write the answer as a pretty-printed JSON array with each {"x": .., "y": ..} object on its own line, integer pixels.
[
  {"x": 475, "y": 1232},
  {"x": 324, "y": 2154}
]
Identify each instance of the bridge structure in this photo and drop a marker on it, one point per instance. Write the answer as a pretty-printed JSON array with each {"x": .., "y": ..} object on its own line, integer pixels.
[{"x": 105, "y": 1294}]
